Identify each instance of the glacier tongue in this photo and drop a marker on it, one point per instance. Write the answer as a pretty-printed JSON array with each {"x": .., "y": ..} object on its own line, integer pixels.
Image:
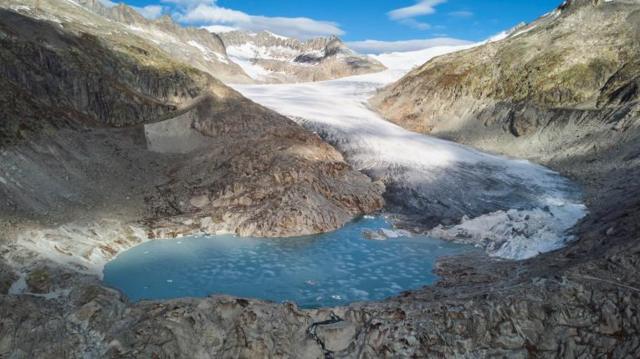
[{"x": 511, "y": 208}]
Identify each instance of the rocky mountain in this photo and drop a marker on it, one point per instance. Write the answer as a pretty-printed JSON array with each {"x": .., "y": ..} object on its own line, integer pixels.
[
  {"x": 196, "y": 47},
  {"x": 108, "y": 139},
  {"x": 580, "y": 60},
  {"x": 270, "y": 58},
  {"x": 562, "y": 91},
  {"x": 262, "y": 57},
  {"x": 108, "y": 123}
]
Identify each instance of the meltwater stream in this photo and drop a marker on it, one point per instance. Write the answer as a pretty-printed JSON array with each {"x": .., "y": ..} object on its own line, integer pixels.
[{"x": 330, "y": 269}]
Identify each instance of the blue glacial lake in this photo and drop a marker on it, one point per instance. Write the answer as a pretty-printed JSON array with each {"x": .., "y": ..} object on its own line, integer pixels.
[{"x": 330, "y": 269}]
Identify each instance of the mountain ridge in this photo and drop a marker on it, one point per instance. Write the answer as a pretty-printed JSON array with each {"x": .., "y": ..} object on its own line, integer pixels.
[
  {"x": 65, "y": 80},
  {"x": 214, "y": 49},
  {"x": 560, "y": 70},
  {"x": 270, "y": 58}
]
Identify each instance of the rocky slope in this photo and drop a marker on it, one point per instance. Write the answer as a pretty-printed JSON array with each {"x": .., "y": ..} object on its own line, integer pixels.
[
  {"x": 82, "y": 140},
  {"x": 195, "y": 47},
  {"x": 270, "y": 58},
  {"x": 580, "y": 61},
  {"x": 264, "y": 57},
  {"x": 562, "y": 91}
]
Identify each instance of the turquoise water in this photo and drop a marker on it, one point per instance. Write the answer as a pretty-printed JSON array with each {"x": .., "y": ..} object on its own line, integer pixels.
[{"x": 323, "y": 270}]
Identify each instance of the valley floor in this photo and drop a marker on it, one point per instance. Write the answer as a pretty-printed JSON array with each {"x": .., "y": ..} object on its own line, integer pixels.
[{"x": 579, "y": 301}]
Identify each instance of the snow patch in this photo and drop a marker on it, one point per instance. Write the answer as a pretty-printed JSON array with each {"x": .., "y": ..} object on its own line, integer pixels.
[
  {"x": 499, "y": 36},
  {"x": 524, "y": 31},
  {"x": 249, "y": 51},
  {"x": 405, "y": 61},
  {"x": 217, "y": 29},
  {"x": 516, "y": 234},
  {"x": 251, "y": 68},
  {"x": 208, "y": 53},
  {"x": 276, "y": 35},
  {"x": 21, "y": 8},
  {"x": 85, "y": 247}
]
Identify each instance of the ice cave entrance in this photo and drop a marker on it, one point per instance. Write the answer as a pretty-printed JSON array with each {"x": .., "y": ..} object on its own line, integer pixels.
[{"x": 329, "y": 269}]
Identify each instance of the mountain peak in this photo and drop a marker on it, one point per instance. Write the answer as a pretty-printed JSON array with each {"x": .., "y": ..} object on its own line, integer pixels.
[
  {"x": 570, "y": 5},
  {"x": 165, "y": 19}
]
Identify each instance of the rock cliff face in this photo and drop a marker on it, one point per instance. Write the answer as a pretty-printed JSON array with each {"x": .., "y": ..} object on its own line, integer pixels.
[
  {"x": 271, "y": 58},
  {"x": 195, "y": 47},
  {"x": 73, "y": 139}
]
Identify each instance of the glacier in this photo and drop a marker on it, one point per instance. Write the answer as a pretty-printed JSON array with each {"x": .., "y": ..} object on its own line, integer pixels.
[{"x": 511, "y": 208}]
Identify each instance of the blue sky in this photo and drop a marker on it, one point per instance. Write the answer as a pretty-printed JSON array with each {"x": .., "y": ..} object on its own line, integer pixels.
[{"x": 357, "y": 20}]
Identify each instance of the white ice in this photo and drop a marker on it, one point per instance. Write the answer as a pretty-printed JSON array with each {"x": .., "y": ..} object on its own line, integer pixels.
[{"x": 462, "y": 179}]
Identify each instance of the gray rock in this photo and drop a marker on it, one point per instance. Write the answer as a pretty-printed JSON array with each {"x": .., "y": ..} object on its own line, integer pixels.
[{"x": 337, "y": 336}]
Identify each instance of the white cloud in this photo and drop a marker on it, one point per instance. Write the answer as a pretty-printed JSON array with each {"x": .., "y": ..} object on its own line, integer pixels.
[
  {"x": 377, "y": 47},
  {"x": 189, "y": 3},
  {"x": 415, "y": 24},
  {"x": 461, "y": 13},
  {"x": 206, "y": 13},
  {"x": 108, "y": 3},
  {"x": 212, "y": 14},
  {"x": 299, "y": 27},
  {"x": 423, "y": 7},
  {"x": 219, "y": 28},
  {"x": 150, "y": 11}
]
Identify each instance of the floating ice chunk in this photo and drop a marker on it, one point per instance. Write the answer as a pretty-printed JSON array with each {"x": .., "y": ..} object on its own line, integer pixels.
[
  {"x": 395, "y": 233},
  {"x": 384, "y": 234},
  {"x": 516, "y": 234},
  {"x": 360, "y": 293}
]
